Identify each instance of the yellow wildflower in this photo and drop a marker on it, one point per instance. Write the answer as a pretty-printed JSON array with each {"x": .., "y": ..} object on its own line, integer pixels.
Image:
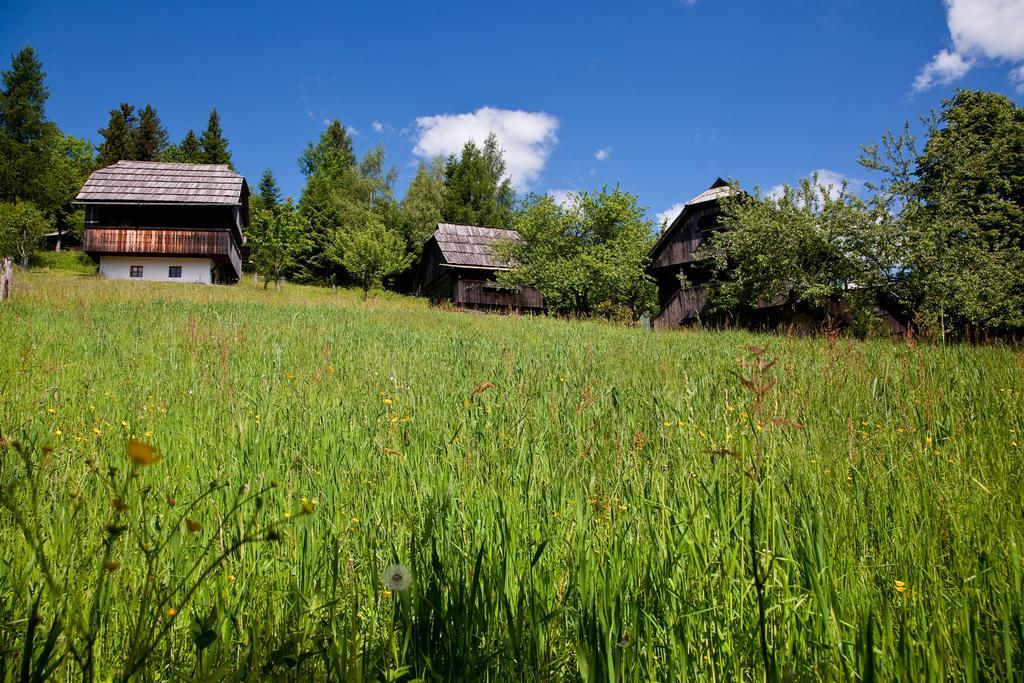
[
  {"x": 96, "y": 431},
  {"x": 171, "y": 612},
  {"x": 231, "y": 578},
  {"x": 900, "y": 586},
  {"x": 355, "y": 520},
  {"x": 51, "y": 410},
  {"x": 57, "y": 432},
  {"x": 142, "y": 454}
]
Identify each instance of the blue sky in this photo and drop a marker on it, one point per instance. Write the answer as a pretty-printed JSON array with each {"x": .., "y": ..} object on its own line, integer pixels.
[{"x": 660, "y": 96}]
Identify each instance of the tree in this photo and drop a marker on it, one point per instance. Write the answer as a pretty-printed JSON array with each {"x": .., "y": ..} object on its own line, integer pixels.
[
  {"x": 808, "y": 246},
  {"x": 22, "y": 227},
  {"x": 423, "y": 206},
  {"x": 339, "y": 193},
  {"x": 370, "y": 251},
  {"x": 215, "y": 145},
  {"x": 275, "y": 237},
  {"x": 958, "y": 204},
  {"x": 332, "y": 154},
  {"x": 150, "y": 137},
  {"x": 189, "y": 151},
  {"x": 476, "y": 189},
  {"x": 269, "y": 193},
  {"x": 23, "y": 125},
  {"x": 586, "y": 257},
  {"x": 119, "y": 137}
]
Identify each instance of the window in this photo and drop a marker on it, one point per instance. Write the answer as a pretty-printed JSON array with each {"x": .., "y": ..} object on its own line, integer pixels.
[
  {"x": 136, "y": 271},
  {"x": 174, "y": 271}
]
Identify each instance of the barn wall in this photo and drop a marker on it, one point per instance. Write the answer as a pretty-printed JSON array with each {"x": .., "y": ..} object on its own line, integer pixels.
[
  {"x": 156, "y": 268},
  {"x": 478, "y": 289}
]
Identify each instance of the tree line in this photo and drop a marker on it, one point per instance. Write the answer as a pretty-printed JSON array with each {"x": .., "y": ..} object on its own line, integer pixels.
[{"x": 938, "y": 233}]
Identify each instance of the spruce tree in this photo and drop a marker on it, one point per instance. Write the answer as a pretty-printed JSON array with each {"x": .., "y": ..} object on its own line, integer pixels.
[
  {"x": 23, "y": 126},
  {"x": 23, "y": 99},
  {"x": 268, "y": 190},
  {"x": 151, "y": 138},
  {"x": 331, "y": 154},
  {"x": 215, "y": 145},
  {"x": 476, "y": 191},
  {"x": 119, "y": 136}
]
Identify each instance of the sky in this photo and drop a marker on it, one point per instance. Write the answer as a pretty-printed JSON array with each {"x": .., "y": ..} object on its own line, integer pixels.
[{"x": 658, "y": 96}]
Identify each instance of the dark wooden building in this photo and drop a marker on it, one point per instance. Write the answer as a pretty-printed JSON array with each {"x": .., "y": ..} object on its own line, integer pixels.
[
  {"x": 674, "y": 260},
  {"x": 681, "y": 274},
  {"x": 161, "y": 221},
  {"x": 459, "y": 265}
]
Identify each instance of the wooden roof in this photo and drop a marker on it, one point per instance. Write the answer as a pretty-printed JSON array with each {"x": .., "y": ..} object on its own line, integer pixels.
[
  {"x": 156, "y": 182},
  {"x": 471, "y": 246},
  {"x": 718, "y": 190}
]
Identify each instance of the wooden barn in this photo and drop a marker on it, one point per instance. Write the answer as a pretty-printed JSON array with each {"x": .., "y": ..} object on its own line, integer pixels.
[
  {"x": 151, "y": 220},
  {"x": 459, "y": 265},
  {"x": 674, "y": 261},
  {"x": 682, "y": 274}
]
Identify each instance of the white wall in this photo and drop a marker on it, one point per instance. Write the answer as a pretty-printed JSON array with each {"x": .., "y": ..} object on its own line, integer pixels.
[{"x": 156, "y": 268}]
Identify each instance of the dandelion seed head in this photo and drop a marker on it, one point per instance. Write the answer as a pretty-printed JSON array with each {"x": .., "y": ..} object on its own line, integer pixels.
[{"x": 397, "y": 577}]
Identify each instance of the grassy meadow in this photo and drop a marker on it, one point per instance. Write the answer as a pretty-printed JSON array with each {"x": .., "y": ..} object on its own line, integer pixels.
[{"x": 572, "y": 500}]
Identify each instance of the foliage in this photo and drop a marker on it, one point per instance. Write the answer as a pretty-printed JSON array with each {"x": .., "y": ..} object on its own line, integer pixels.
[
  {"x": 586, "y": 256},
  {"x": 340, "y": 192},
  {"x": 275, "y": 236},
  {"x": 68, "y": 260},
  {"x": 150, "y": 137},
  {"x": 809, "y": 245},
  {"x": 119, "y": 137},
  {"x": 215, "y": 145},
  {"x": 22, "y": 227},
  {"x": 476, "y": 189},
  {"x": 572, "y": 500},
  {"x": 369, "y": 252},
  {"x": 269, "y": 193},
  {"x": 959, "y": 205},
  {"x": 189, "y": 151},
  {"x": 423, "y": 206}
]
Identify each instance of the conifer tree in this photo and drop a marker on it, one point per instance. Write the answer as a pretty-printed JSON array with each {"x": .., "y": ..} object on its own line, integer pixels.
[
  {"x": 477, "y": 191},
  {"x": 215, "y": 145},
  {"x": 151, "y": 138},
  {"x": 332, "y": 153},
  {"x": 188, "y": 151},
  {"x": 268, "y": 190},
  {"x": 22, "y": 125},
  {"x": 119, "y": 137}
]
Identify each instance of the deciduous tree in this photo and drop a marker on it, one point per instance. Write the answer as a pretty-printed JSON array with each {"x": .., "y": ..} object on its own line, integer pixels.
[{"x": 369, "y": 251}]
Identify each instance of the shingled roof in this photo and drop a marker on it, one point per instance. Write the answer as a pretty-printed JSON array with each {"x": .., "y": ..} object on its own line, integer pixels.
[
  {"x": 156, "y": 182},
  {"x": 471, "y": 246}
]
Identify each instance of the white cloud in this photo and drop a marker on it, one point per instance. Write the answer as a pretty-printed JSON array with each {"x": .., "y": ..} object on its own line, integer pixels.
[
  {"x": 944, "y": 68},
  {"x": 668, "y": 215},
  {"x": 1017, "y": 76},
  {"x": 980, "y": 29},
  {"x": 564, "y": 198},
  {"x": 377, "y": 126},
  {"x": 603, "y": 153},
  {"x": 526, "y": 138},
  {"x": 829, "y": 179}
]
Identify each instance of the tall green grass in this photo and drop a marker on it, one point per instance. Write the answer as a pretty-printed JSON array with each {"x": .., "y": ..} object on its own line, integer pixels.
[{"x": 573, "y": 500}]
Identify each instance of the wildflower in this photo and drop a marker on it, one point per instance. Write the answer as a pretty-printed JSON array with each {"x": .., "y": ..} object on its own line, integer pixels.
[
  {"x": 900, "y": 586},
  {"x": 148, "y": 434},
  {"x": 291, "y": 376},
  {"x": 668, "y": 423},
  {"x": 330, "y": 369},
  {"x": 171, "y": 500},
  {"x": 397, "y": 578},
  {"x": 314, "y": 501},
  {"x": 192, "y": 525},
  {"x": 307, "y": 508},
  {"x": 387, "y": 401},
  {"x": 171, "y": 612},
  {"x": 124, "y": 423},
  {"x": 51, "y": 410},
  {"x": 385, "y": 594},
  {"x": 355, "y": 520},
  {"x": 287, "y": 515},
  {"x": 57, "y": 432},
  {"x": 96, "y": 431},
  {"x": 142, "y": 454},
  {"x": 231, "y": 578}
]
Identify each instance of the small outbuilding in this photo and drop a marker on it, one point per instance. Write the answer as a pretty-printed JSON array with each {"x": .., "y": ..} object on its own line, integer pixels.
[
  {"x": 151, "y": 220},
  {"x": 459, "y": 265}
]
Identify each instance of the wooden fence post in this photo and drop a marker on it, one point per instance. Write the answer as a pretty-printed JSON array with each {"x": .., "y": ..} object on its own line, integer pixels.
[{"x": 6, "y": 280}]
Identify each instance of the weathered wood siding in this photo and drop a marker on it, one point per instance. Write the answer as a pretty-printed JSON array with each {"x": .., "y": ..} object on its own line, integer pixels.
[
  {"x": 685, "y": 304},
  {"x": 477, "y": 292},
  {"x": 217, "y": 244},
  {"x": 687, "y": 238}
]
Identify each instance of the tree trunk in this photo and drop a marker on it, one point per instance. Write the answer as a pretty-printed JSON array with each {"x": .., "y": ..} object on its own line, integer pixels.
[{"x": 6, "y": 279}]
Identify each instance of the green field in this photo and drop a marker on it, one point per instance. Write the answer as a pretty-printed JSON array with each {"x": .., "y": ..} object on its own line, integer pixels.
[{"x": 574, "y": 500}]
